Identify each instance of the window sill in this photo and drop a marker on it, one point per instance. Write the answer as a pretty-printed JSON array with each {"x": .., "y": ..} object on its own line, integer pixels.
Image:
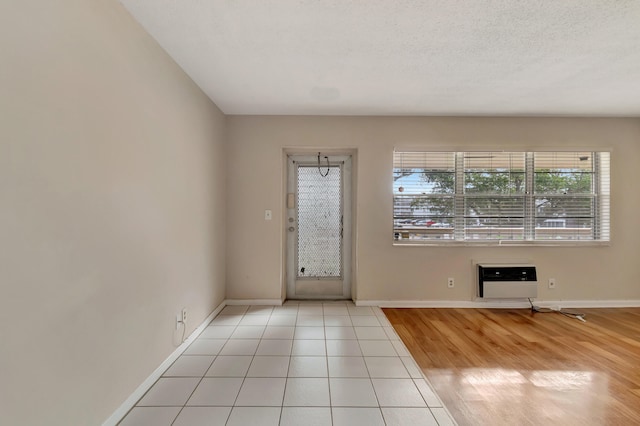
[{"x": 502, "y": 244}]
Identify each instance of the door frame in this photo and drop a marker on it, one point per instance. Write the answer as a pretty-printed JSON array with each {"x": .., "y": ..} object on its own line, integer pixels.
[{"x": 290, "y": 244}]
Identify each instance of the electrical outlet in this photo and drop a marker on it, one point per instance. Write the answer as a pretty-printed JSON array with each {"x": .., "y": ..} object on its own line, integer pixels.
[
  {"x": 450, "y": 282},
  {"x": 552, "y": 283},
  {"x": 181, "y": 318}
]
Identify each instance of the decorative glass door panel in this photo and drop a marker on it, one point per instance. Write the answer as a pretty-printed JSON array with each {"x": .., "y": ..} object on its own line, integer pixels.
[{"x": 317, "y": 250}]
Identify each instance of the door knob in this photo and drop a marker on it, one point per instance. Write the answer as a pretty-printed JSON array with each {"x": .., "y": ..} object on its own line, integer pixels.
[{"x": 291, "y": 229}]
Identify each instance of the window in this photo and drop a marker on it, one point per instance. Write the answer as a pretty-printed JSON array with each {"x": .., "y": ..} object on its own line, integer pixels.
[{"x": 484, "y": 197}]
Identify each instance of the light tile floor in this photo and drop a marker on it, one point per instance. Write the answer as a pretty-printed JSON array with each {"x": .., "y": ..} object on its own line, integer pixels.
[{"x": 303, "y": 363}]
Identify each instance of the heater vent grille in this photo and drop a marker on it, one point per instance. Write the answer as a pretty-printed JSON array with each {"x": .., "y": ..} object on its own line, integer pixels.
[{"x": 496, "y": 281}]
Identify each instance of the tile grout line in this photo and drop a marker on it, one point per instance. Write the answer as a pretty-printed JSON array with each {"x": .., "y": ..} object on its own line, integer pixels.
[
  {"x": 377, "y": 314},
  {"x": 371, "y": 381},
  {"x": 253, "y": 357},
  {"x": 326, "y": 357},
  {"x": 284, "y": 393},
  {"x": 205, "y": 373}
]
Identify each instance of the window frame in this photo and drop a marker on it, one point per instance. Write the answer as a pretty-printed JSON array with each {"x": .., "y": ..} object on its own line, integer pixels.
[{"x": 600, "y": 195}]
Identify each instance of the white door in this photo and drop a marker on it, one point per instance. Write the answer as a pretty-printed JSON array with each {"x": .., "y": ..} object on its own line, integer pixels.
[{"x": 318, "y": 227}]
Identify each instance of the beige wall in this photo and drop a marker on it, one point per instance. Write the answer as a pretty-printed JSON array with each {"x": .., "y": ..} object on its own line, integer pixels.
[
  {"x": 112, "y": 217},
  {"x": 114, "y": 207},
  {"x": 385, "y": 272}
]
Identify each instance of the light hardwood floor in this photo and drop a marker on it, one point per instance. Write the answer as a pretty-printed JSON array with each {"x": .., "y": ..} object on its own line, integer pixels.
[{"x": 512, "y": 367}]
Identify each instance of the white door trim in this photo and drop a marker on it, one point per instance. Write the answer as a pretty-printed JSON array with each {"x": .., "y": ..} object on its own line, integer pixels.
[{"x": 290, "y": 246}]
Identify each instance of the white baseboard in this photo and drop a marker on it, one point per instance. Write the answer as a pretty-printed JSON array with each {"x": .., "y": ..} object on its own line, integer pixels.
[
  {"x": 443, "y": 304},
  {"x": 589, "y": 303},
  {"x": 263, "y": 302},
  {"x": 506, "y": 304},
  {"x": 128, "y": 404}
]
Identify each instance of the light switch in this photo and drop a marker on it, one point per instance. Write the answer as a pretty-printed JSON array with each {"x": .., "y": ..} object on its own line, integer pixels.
[{"x": 267, "y": 215}]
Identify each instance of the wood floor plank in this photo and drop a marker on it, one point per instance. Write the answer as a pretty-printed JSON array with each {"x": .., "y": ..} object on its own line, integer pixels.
[{"x": 515, "y": 367}]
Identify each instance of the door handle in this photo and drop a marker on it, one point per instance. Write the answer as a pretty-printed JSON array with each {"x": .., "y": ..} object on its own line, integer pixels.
[{"x": 291, "y": 229}]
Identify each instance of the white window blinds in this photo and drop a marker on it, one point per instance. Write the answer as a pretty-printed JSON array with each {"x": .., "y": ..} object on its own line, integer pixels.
[{"x": 501, "y": 196}]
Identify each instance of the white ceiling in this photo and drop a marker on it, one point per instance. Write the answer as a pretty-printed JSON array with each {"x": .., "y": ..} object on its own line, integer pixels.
[{"x": 405, "y": 57}]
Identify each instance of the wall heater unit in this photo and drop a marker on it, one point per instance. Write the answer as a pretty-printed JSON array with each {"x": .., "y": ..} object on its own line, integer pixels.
[{"x": 507, "y": 281}]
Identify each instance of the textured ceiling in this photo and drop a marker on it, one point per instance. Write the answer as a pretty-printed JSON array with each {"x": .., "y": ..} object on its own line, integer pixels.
[{"x": 405, "y": 57}]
